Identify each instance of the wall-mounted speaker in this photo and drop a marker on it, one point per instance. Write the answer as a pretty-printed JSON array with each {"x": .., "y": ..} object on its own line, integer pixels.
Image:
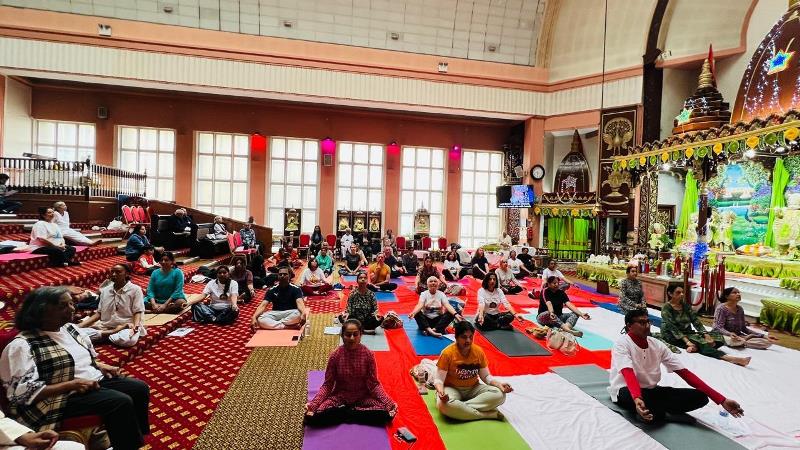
[
  {"x": 102, "y": 112},
  {"x": 327, "y": 160}
]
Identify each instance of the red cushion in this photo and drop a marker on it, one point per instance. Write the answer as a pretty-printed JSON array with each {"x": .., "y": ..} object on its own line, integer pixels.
[{"x": 74, "y": 423}]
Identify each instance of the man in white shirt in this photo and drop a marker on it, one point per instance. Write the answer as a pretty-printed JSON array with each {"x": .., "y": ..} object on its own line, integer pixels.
[
  {"x": 552, "y": 271},
  {"x": 61, "y": 218},
  {"x": 636, "y": 361},
  {"x": 346, "y": 241},
  {"x": 517, "y": 266}
]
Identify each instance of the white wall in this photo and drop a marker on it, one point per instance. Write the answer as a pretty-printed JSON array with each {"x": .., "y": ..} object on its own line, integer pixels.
[
  {"x": 17, "y": 122},
  {"x": 670, "y": 192}
]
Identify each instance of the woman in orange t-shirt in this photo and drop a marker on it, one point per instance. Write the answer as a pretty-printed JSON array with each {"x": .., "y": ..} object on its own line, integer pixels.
[{"x": 460, "y": 395}]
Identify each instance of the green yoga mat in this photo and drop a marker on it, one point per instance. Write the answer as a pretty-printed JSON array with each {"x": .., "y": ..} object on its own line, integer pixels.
[
  {"x": 488, "y": 434},
  {"x": 593, "y": 380}
]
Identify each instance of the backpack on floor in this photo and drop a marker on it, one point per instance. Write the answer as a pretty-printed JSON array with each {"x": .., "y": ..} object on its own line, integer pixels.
[
  {"x": 562, "y": 341},
  {"x": 424, "y": 373}
]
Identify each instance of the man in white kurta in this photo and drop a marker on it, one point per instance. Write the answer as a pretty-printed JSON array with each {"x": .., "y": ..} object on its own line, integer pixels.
[{"x": 61, "y": 219}]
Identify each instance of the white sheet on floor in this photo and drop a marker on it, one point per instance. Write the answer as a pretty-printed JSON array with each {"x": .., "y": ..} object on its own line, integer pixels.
[
  {"x": 549, "y": 412},
  {"x": 767, "y": 389}
]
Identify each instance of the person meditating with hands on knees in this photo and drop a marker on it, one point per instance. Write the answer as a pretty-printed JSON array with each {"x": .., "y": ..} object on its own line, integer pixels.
[
  {"x": 490, "y": 299},
  {"x": 119, "y": 313},
  {"x": 351, "y": 392},
  {"x": 460, "y": 395},
  {"x": 165, "y": 289},
  {"x": 362, "y": 306},
  {"x": 631, "y": 294},
  {"x": 434, "y": 312},
  {"x": 677, "y": 320},
  {"x": 288, "y": 309},
  {"x": 551, "y": 309},
  {"x": 636, "y": 370},
  {"x": 50, "y": 373},
  {"x": 729, "y": 321}
]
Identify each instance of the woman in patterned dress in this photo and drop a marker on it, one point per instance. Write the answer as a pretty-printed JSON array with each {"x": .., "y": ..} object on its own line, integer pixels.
[{"x": 351, "y": 392}]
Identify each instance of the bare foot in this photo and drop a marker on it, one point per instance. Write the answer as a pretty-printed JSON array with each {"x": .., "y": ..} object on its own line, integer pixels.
[
  {"x": 576, "y": 333},
  {"x": 742, "y": 361},
  {"x": 434, "y": 333}
]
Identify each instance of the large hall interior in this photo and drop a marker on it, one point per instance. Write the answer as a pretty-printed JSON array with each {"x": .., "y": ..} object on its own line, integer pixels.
[{"x": 397, "y": 224}]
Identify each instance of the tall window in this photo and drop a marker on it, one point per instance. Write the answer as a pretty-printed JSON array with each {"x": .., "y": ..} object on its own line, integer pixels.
[
  {"x": 481, "y": 173},
  {"x": 65, "y": 141},
  {"x": 150, "y": 151},
  {"x": 223, "y": 174},
  {"x": 293, "y": 181},
  {"x": 422, "y": 186},
  {"x": 360, "y": 177}
]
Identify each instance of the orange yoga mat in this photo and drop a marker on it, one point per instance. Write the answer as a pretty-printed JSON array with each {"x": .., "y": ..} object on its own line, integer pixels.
[{"x": 274, "y": 338}]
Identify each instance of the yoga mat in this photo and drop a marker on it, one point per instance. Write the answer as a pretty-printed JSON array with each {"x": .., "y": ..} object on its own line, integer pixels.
[
  {"x": 423, "y": 345},
  {"x": 349, "y": 278},
  {"x": 593, "y": 380},
  {"x": 274, "y": 338},
  {"x": 154, "y": 320},
  {"x": 589, "y": 340},
  {"x": 376, "y": 342},
  {"x": 385, "y": 296},
  {"x": 655, "y": 320},
  {"x": 344, "y": 436},
  {"x": 493, "y": 434},
  {"x": 397, "y": 281},
  {"x": 514, "y": 343}
]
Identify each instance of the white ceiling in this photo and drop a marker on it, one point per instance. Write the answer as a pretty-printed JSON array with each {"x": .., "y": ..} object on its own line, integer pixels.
[{"x": 505, "y": 31}]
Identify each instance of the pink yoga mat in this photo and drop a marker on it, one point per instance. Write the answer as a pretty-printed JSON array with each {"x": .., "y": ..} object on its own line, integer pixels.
[
  {"x": 274, "y": 338},
  {"x": 344, "y": 436},
  {"x": 6, "y": 257}
]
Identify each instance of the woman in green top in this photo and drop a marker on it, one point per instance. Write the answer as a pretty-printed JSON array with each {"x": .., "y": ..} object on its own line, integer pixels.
[
  {"x": 324, "y": 260},
  {"x": 678, "y": 320},
  {"x": 165, "y": 290}
]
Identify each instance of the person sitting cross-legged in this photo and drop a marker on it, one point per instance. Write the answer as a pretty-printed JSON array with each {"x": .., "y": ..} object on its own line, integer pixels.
[
  {"x": 551, "y": 309},
  {"x": 165, "y": 289},
  {"x": 138, "y": 242},
  {"x": 222, "y": 293},
  {"x": 288, "y": 308},
  {"x": 351, "y": 392},
  {"x": 517, "y": 266},
  {"x": 506, "y": 279},
  {"x": 379, "y": 274},
  {"x": 354, "y": 262},
  {"x": 729, "y": 321},
  {"x": 245, "y": 280},
  {"x": 677, "y": 321},
  {"x": 394, "y": 264},
  {"x": 434, "y": 313},
  {"x": 324, "y": 259},
  {"x": 363, "y": 306},
  {"x": 552, "y": 271},
  {"x": 636, "y": 361},
  {"x": 47, "y": 239},
  {"x": 460, "y": 368},
  {"x": 313, "y": 282},
  {"x": 427, "y": 271},
  {"x": 50, "y": 373},
  {"x": 119, "y": 315},
  {"x": 479, "y": 264},
  {"x": 490, "y": 299},
  {"x": 452, "y": 269},
  {"x": 146, "y": 264}
]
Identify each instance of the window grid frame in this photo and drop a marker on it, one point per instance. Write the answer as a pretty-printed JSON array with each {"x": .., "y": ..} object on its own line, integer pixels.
[
  {"x": 414, "y": 190},
  {"x": 302, "y": 184},
  {"x": 381, "y": 189},
  {"x": 77, "y": 147},
  {"x": 474, "y": 239},
  {"x": 158, "y": 151},
  {"x": 212, "y": 204}
]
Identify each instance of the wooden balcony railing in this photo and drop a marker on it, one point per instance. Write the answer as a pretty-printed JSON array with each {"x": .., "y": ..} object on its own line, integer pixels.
[{"x": 71, "y": 178}]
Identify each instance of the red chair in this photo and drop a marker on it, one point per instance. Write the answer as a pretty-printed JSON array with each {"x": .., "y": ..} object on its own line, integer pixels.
[
  {"x": 442, "y": 243},
  {"x": 127, "y": 214},
  {"x": 140, "y": 215},
  {"x": 331, "y": 240},
  {"x": 400, "y": 242},
  {"x": 427, "y": 243},
  {"x": 305, "y": 240},
  {"x": 237, "y": 249}
]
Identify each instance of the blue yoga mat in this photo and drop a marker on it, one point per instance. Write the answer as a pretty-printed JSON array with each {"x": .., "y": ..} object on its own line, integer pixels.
[
  {"x": 423, "y": 345},
  {"x": 349, "y": 278},
  {"x": 589, "y": 340},
  {"x": 655, "y": 320},
  {"x": 385, "y": 296}
]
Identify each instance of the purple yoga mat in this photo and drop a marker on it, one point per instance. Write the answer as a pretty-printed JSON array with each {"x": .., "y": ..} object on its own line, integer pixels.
[{"x": 341, "y": 437}]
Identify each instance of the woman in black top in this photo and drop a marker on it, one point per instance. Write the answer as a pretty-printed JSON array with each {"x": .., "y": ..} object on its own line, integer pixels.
[
  {"x": 411, "y": 263},
  {"x": 480, "y": 265},
  {"x": 352, "y": 262},
  {"x": 316, "y": 241},
  {"x": 394, "y": 265}
]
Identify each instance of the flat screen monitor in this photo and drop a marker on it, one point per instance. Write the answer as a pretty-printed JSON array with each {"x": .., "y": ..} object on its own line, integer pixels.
[{"x": 515, "y": 196}]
